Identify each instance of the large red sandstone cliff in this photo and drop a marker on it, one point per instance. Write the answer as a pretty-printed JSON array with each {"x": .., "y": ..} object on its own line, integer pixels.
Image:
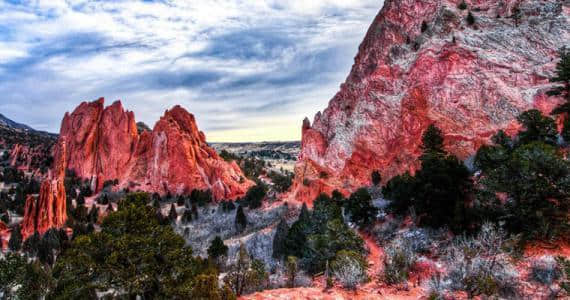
[
  {"x": 470, "y": 80},
  {"x": 103, "y": 144}
]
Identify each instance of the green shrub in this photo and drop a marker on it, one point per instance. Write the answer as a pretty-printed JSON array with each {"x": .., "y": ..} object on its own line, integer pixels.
[
  {"x": 349, "y": 268},
  {"x": 398, "y": 262}
]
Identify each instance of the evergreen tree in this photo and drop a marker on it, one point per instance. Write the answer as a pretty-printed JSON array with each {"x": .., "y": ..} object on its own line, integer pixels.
[
  {"x": 297, "y": 236},
  {"x": 324, "y": 210},
  {"x": 172, "y": 215},
  {"x": 187, "y": 216},
  {"x": 241, "y": 220},
  {"x": 432, "y": 140},
  {"x": 280, "y": 240},
  {"x": 376, "y": 177},
  {"x": 502, "y": 139},
  {"x": 305, "y": 216},
  {"x": 45, "y": 252},
  {"x": 255, "y": 195},
  {"x": 470, "y": 19},
  {"x": 205, "y": 286},
  {"x": 156, "y": 203},
  {"x": 5, "y": 218},
  {"x": 31, "y": 244},
  {"x": 562, "y": 77},
  {"x": 93, "y": 214},
  {"x": 15, "y": 242},
  {"x": 537, "y": 128},
  {"x": 195, "y": 211},
  {"x": 400, "y": 190},
  {"x": 217, "y": 248},
  {"x": 566, "y": 131},
  {"x": 147, "y": 260},
  {"x": 439, "y": 189},
  {"x": 180, "y": 200},
  {"x": 360, "y": 209}
]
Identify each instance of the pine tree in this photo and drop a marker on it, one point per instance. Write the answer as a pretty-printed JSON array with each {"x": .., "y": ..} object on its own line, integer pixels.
[
  {"x": 432, "y": 140},
  {"x": 424, "y": 26},
  {"x": 241, "y": 220},
  {"x": 156, "y": 203},
  {"x": 376, "y": 177},
  {"x": 15, "y": 243},
  {"x": 360, "y": 209},
  {"x": 305, "y": 216},
  {"x": 93, "y": 214},
  {"x": 562, "y": 77},
  {"x": 470, "y": 19},
  {"x": 195, "y": 211},
  {"x": 180, "y": 200},
  {"x": 537, "y": 128},
  {"x": 31, "y": 244},
  {"x": 217, "y": 248},
  {"x": 566, "y": 130},
  {"x": 172, "y": 215},
  {"x": 280, "y": 240},
  {"x": 187, "y": 216}
]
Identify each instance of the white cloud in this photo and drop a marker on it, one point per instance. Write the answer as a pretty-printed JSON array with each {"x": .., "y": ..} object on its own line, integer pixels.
[{"x": 248, "y": 70}]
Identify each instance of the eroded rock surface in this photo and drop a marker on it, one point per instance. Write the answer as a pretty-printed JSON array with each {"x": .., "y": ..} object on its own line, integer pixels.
[
  {"x": 104, "y": 144},
  {"x": 469, "y": 80}
]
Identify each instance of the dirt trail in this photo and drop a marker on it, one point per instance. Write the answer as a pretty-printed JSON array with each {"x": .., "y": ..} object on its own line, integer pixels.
[{"x": 375, "y": 256}]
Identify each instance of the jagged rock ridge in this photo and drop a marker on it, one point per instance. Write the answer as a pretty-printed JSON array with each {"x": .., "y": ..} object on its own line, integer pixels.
[
  {"x": 103, "y": 144},
  {"x": 470, "y": 80}
]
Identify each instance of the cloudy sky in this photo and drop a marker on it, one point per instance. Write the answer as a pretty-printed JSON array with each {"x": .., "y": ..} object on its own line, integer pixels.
[{"x": 250, "y": 70}]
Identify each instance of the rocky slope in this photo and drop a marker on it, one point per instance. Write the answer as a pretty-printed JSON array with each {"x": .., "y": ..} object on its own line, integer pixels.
[
  {"x": 103, "y": 144},
  {"x": 421, "y": 62},
  {"x": 28, "y": 150}
]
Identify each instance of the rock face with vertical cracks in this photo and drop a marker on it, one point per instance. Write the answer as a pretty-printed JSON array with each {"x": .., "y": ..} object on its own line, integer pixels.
[
  {"x": 103, "y": 144},
  {"x": 469, "y": 80},
  {"x": 48, "y": 210}
]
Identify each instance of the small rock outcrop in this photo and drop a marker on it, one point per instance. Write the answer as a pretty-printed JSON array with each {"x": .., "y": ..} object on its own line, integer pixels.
[
  {"x": 49, "y": 209},
  {"x": 422, "y": 62}
]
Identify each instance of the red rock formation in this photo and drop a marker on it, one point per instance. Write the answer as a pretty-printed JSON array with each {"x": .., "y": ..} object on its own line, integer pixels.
[
  {"x": 176, "y": 158},
  {"x": 103, "y": 144},
  {"x": 470, "y": 80},
  {"x": 4, "y": 235},
  {"x": 100, "y": 141},
  {"x": 49, "y": 209}
]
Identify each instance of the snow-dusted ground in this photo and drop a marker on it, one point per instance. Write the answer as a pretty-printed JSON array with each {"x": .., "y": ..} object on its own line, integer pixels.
[{"x": 212, "y": 222}]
